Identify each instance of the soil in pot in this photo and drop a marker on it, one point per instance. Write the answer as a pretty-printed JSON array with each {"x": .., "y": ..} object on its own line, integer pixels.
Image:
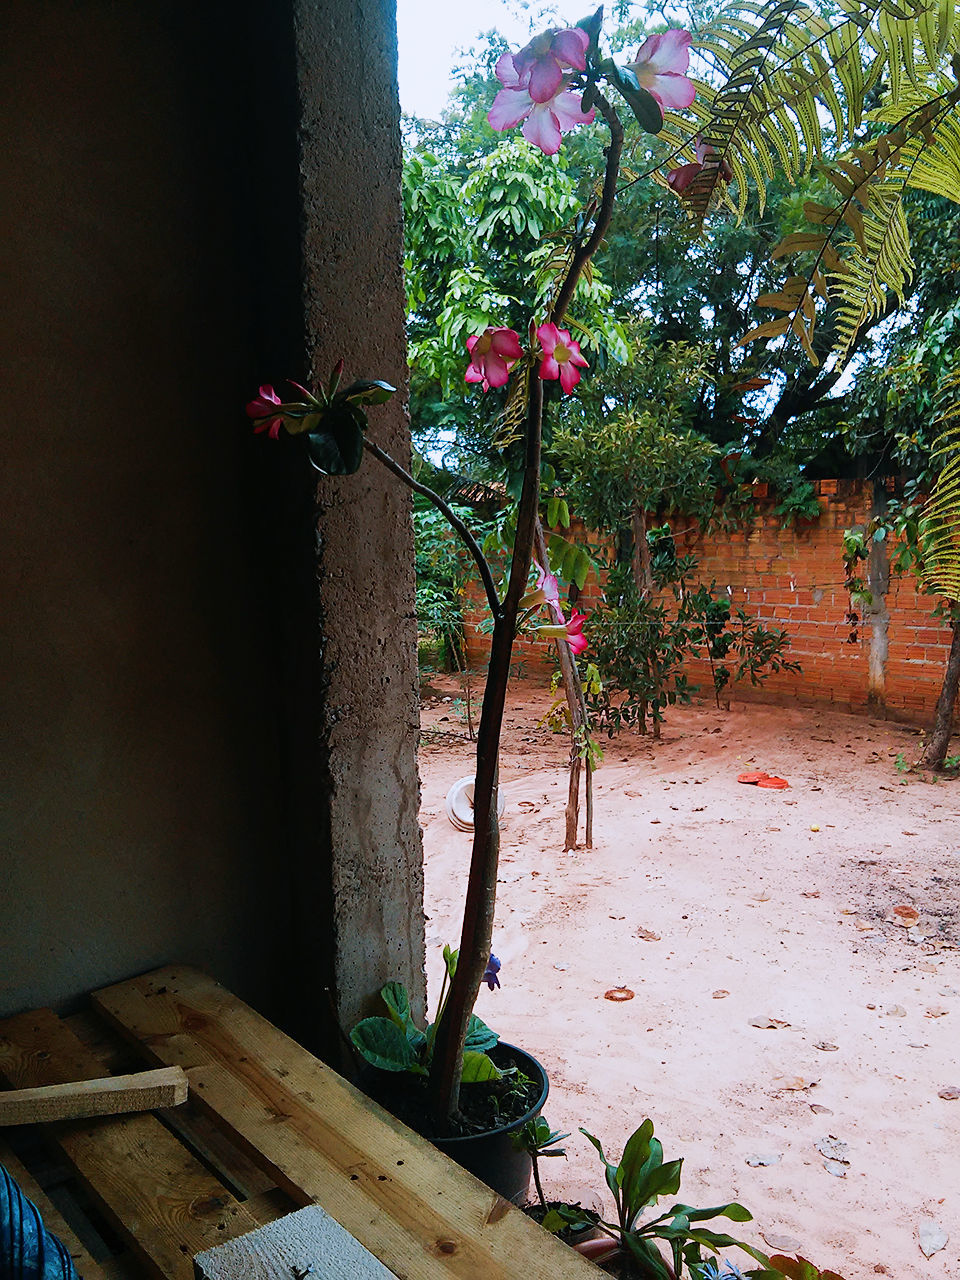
[{"x": 568, "y": 1235}]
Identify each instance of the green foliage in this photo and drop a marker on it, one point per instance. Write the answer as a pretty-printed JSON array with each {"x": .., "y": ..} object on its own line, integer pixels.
[
  {"x": 443, "y": 568},
  {"x": 636, "y": 1183},
  {"x": 398, "y": 1045}
]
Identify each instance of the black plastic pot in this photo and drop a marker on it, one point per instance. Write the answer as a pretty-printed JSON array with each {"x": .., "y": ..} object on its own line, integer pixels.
[{"x": 491, "y": 1156}]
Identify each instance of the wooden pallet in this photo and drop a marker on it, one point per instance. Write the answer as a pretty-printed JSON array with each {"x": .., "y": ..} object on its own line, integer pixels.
[{"x": 269, "y": 1128}]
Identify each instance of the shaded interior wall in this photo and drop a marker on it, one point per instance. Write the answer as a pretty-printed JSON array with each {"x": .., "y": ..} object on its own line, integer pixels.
[{"x": 169, "y": 745}]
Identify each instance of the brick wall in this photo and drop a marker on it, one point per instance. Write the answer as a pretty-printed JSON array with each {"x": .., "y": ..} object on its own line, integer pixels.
[{"x": 892, "y": 663}]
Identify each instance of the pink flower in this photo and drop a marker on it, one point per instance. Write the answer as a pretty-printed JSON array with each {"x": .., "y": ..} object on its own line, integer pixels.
[
  {"x": 525, "y": 76},
  {"x": 680, "y": 178},
  {"x": 575, "y": 637},
  {"x": 492, "y": 356},
  {"x": 659, "y": 66},
  {"x": 540, "y": 64},
  {"x": 561, "y": 356},
  {"x": 547, "y": 583},
  {"x": 261, "y": 409}
]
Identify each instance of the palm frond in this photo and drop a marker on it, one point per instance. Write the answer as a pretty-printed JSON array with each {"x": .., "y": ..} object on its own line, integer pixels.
[{"x": 940, "y": 523}]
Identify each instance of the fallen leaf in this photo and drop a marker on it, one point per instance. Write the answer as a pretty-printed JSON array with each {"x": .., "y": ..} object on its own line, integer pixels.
[
  {"x": 932, "y": 1239},
  {"x": 647, "y": 935},
  {"x": 950, "y": 1093},
  {"x": 895, "y": 1011},
  {"x": 906, "y": 915},
  {"x": 720, "y": 994},
  {"x": 826, "y": 1046},
  {"x": 833, "y": 1149},
  {"x": 811, "y": 893},
  {"x": 937, "y": 1012},
  {"x": 762, "y": 896},
  {"x": 820, "y": 1109},
  {"x": 815, "y": 827},
  {"x": 916, "y": 934},
  {"x": 795, "y": 1084},
  {"x": 618, "y": 993},
  {"x": 864, "y": 926},
  {"x": 764, "y": 1158},
  {"x": 768, "y": 1024},
  {"x": 786, "y": 1244},
  {"x": 836, "y": 1168},
  {"x": 927, "y": 967}
]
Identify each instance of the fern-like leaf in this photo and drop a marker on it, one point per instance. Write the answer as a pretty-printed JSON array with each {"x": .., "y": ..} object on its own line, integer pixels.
[{"x": 940, "y": 524}]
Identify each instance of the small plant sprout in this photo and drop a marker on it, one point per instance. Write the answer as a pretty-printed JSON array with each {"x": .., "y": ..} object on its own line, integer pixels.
[{"x": 536, "y": 1137}]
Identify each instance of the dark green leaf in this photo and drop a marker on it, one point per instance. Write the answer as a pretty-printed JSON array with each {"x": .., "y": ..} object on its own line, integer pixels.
[
  {"x": 479, "y": 1036},
  {"x": 644, "y": 105},
  {"x": 370, "y": 391},
  {"x": 384, "y": 1045},
  {"x": 478, "y": 1068},
  {"x": 336, "y": 448}
]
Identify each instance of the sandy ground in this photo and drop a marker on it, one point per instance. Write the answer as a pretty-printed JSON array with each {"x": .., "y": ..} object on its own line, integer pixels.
[{"x": 719, "y": 905}]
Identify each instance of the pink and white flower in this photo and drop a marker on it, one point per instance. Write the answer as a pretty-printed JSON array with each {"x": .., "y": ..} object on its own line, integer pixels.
[
  {"x": 492, "y": 355},
  {"x": 261, "y": 409},
  {"x": 680, "y": 178},
  {"x": 540, "y": 64},
  {"x": 535, "y": 89},
  {"x": 561, "y": 356},
  {"x": 659, "y": 66}
]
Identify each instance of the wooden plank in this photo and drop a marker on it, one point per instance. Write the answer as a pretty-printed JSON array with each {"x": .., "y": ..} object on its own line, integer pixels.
[
  {"x": 162, "y": 1201},
  {"x": 106, "y": 1096},
  {"x": 422, "y": 1215},
  {"x": 52, "y": 1217},
  {"x": 309, "y": 1238}
]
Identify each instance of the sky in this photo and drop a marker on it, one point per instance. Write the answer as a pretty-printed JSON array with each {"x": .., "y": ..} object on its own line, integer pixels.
[{"x": 432, "y": 31}]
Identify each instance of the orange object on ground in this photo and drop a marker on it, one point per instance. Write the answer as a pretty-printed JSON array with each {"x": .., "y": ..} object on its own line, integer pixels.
[
  {"x": 775, "y": 784},
  {"x": 753, "y": 778}
]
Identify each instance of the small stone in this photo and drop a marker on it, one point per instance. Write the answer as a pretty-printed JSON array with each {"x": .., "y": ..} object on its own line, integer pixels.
[
  {"x": 836, "y": 1168},
  {"x": 949, "y": 1094},
  {"x": 764, "y": 1158},
  {"x": 784, "y": 1244}
]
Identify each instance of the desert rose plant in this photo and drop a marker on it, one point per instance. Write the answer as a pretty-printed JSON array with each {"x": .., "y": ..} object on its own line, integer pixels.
[{"x": 773, "y": 73}]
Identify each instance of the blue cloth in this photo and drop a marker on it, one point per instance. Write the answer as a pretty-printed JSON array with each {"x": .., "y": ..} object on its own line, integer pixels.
[{"x": 28, "y": 1251}]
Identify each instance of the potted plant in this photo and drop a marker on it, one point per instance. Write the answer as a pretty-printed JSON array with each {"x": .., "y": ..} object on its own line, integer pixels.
[{"x": 558, "y": 81}]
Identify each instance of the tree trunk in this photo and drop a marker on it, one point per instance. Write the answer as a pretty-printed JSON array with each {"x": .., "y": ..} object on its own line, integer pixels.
[
  {"x": 642, "y": 567},
  {"x": 939, "y": 740}
]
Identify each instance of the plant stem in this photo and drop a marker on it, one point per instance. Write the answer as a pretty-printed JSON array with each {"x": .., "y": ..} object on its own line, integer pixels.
[
  {"x": 536, "y": 1179},
  {"x": 478, "y": 913},
  {"x": 486, "y": 577}
]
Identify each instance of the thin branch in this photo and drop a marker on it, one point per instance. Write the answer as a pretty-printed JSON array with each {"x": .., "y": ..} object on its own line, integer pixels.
[{"x": 486, "y": 577}]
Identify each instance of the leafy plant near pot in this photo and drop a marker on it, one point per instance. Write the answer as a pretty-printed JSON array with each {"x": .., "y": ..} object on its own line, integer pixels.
[{"x": 670, "y": 1245}]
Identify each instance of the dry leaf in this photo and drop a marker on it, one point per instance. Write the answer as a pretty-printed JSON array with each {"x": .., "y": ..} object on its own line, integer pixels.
[
  {"x": 764, "y": 1159},
  {"x": 618, "y": 993},
  {"x": 932, "y": 1239},
  {"x": 795, "y": 1084},
  {"x": 820, "y": 1109},
  {"x": 768, "y": 1024},
  {"x": 906, "y": 915},
  {"x": 647, "y": 935},
  {"x": 811, "y": 893},
  {"x": 720, "y": 994},
  {"x": 864, "y": 926},
  {"x": 826, "y": 1046},
  {"x": 950, "y": 1093},
  {"x": 937, "y": 1012},
  {"x": 927, "y": 967},
  {"x": 762, "y": 896},
  {"x": 836, "y": 1168},
  {"x": 895, "y": 1011},
  {"x": 783, "y": 1244},
  {"x": 833, "y": 1149}
]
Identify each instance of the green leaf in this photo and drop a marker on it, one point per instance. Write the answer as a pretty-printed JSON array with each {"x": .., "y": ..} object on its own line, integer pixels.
[
  {"x": 644, "y": 105},
  {"x": 384, "y": 1045},
  {"x": 735, "y": 1212},
  {"x": 479, "y": 1036},
  {"x": 478, "y": 1068},
  {"x": 450, "y": 960},
  {"x": 336, "y": 447},
  {"x": 370, "y": 391}
]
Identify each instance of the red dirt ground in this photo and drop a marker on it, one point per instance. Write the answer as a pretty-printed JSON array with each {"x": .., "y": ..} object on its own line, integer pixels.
[{"x": 721, "y": 905}]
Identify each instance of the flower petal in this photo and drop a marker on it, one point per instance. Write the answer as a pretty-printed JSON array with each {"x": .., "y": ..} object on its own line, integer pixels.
[
  {"x": 549, "y": 368},
  {"x": 668, "y": 52},
  {"x": 671, "y": 90},
  {"x": 546, "y": 78},
  {"x": 506, "y": 343},
  {"x": 569, "y": 376},
  {"x": 541, "y": 127},
  {"x": 549, "y": 336},
  {"x": 496, "y": 370},
  {"x": 680, "y": 178},
  {"x": 566, "y": 107},
  {"x": 506, "y": 71},
  {"x": 570, "y": 48},
  {"x": 510, "y": 106}
]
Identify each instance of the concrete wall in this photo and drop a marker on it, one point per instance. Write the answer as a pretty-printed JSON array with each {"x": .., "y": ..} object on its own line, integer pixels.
[{"x": 172, "y": 731}]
